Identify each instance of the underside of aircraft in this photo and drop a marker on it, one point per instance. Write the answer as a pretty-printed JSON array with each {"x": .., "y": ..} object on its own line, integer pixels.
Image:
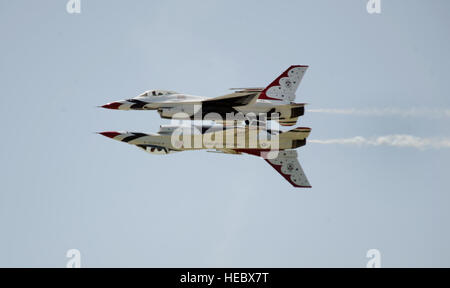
[{"x": 225, "y": 139}]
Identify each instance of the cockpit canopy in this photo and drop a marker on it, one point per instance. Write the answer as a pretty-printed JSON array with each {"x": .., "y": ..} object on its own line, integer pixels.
[{"x": 157, "y": 93}]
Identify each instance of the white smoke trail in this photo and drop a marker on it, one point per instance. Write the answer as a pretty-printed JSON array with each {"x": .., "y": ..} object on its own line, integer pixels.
[
  {"x": 398, "y": 140},
  {"x": 411, "y": 112}
]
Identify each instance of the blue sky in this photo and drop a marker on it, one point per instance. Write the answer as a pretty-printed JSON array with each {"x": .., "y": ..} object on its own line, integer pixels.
[{"x": 65, "y": 187}]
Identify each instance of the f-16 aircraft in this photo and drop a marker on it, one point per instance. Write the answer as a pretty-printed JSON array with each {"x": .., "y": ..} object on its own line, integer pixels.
[
  {"x": 278, "y": 97},
  {"x": 274, "y": 146}
]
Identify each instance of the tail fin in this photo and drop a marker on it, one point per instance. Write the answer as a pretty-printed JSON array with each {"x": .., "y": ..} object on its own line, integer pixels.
[
  {"x": 283, "y": 88},
  {"x": 289, "y": 167},
  {"x": 286, "y": 163}
]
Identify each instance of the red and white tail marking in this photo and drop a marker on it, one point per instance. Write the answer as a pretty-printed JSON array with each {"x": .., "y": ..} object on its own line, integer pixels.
[
  {"x": 286, "y": 163},
  {"x": 283, "y": 88},
  {"x": 288, "y": 166}
]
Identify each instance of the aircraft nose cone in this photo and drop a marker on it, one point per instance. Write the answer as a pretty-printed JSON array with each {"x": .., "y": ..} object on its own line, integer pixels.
[
  {"x": 110, "y": 134},
  {"x": 113, "y": 105}
]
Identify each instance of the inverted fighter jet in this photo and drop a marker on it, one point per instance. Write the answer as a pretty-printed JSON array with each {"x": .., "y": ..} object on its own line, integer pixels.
[
  {"x": 278, "y": 97},
  {"x": 274, "y": 146}
]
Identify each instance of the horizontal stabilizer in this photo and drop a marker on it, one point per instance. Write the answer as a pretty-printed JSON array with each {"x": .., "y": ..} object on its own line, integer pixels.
[{"x": 297, "y": 133}]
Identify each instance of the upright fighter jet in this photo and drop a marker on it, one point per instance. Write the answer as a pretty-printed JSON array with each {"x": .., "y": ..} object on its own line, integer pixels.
[
  {"x": 274, "y": 146},
  {"x": 278, "y": 97}
]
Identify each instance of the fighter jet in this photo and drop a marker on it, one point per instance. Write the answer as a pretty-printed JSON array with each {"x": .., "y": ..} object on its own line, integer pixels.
[
  {"x": 274, "y": 146},
  {"x": 275, "y": 99}
]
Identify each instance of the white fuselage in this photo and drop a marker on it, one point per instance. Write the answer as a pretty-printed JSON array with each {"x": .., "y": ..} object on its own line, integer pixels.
[{"x": 174, "y": 105}]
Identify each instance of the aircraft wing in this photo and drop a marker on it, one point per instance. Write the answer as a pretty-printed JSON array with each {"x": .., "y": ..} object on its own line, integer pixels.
[
  {"x": 137, "y": 139},
  {"x": 230, "y": 100}
]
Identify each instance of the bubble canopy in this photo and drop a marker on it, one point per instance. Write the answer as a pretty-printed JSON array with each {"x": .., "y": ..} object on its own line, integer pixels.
[{"x": 157, "y": 93}]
